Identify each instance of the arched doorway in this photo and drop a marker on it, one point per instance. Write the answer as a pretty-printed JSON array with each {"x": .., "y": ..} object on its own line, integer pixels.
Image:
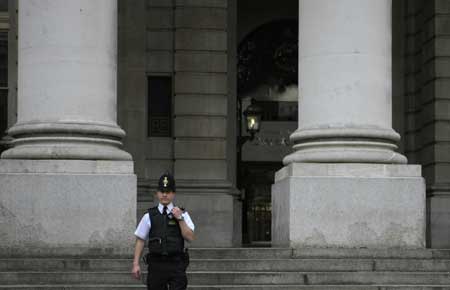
[{"x": 267, "y": 72}]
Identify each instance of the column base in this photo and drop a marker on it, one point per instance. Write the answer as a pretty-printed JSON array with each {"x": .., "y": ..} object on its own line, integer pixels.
[
  {"x": 345, "y": 145},
  {"x": 61, "y": 207},
  {"x": 79, "y": 141},
  {"x": 348, "y": 206}
]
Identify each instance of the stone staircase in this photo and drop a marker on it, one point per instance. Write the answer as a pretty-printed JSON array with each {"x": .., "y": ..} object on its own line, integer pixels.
[{"x": 245, "y": 268}]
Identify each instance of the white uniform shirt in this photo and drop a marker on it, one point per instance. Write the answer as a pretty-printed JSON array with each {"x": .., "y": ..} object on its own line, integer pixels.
[{"x": 143, "y": 229}]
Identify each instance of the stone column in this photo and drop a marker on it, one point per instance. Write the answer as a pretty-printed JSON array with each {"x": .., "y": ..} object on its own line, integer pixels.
[
  {"x": 66, "y": 186},
  {"x": 345, "y": 186},
  {"x": 67, "y": 82},
  {"x": 345, "y": 83}
]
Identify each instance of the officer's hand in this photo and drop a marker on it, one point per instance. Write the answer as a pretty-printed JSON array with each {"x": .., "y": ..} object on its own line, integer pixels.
[
  {"x": 177, "y": 212},
  {"x": 136, "y": 272}
]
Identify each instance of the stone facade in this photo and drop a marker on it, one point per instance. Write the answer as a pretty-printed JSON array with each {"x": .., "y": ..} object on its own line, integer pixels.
[
  {"x": 165, "y": 38},
  {"x": 427, "y": 107},
  {"x": 194, "y": 43}
]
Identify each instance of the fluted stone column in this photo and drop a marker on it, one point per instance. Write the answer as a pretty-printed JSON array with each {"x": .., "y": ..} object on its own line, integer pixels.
[
  {"x": 344, "y": 185},
  {"x": 67, "y": 82},
  {"x": 66, "y": 186}
]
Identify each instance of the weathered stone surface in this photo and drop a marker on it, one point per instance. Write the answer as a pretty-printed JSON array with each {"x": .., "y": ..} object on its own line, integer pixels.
[
  {"x": 159, "y": 3},
  {"x": 201, "y": 83},
  {"x": 160, "y": 61},
  {"x": 436, "y": 89},
  {"x": 158, "y": 148},
  {"x": 134, "y": 120},
  {"x": 65, "y": 167},
  {"x": 201, "y": 61},
  {"x": 440, "y": 221},
  {"x": 201, "y": 208},
  {"x": 200, "y": 149},
  {"x": 436, "y": 68},
  {"x": 442, "y": 153},
  {"x": 433, "y": 132},
  {"x": 203, "y": 18},
  {"x": 132, "y": 89},
  {"x": 159, "y": 18},
  {"x": 442, "y": 173},
  {"x": 367, "y": 206},
  {"x": 211, "y": 40},
  {"x": 201, "y": 105},
  {"x": 155, "y": 167},
  {"x": 204, "y": 169},
  {"x": 159, "y": 40},
  {"x": 212, "y": 127},
  {"x": 63, "y": 207},
  {"x": 202, "y": 3}
]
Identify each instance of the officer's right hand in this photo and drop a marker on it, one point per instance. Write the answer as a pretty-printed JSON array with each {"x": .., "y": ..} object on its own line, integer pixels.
[{"x": 136, "y": 272}]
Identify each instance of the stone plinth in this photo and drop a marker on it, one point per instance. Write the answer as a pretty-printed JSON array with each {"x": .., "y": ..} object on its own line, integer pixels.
[
  {"x": 67, "y": 207},
  {"x": 349, "y": 206}
]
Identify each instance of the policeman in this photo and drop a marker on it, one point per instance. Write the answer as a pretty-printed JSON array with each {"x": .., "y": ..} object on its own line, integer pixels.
[{"x": 166, "y": 227}]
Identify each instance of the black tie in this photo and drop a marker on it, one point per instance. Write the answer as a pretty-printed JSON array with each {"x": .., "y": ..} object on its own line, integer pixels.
[{"x": 165, "y": 210}]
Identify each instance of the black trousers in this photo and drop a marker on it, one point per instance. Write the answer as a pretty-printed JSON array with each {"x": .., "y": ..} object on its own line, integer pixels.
[{"x": 166, "y": 273}]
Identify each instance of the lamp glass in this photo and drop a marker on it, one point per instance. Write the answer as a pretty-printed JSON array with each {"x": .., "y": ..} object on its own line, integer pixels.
[{"x": 253, "y": 122}]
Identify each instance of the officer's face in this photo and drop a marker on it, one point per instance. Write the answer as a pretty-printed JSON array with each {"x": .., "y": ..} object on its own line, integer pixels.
[{"x": 165, "y": 197}]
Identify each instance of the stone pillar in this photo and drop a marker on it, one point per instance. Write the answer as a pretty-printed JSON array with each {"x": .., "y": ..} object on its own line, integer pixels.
[
  {"x": 200, "y": 119},
  {"x": 353, "y": 196},
  {"x": 67, "y": 82},
  {"x": 67, "y": 187},
  {"x": 345, "y": 83}
]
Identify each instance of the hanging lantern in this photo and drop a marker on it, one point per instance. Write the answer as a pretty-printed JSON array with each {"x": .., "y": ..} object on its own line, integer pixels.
[{"x": 253, "y": 115}]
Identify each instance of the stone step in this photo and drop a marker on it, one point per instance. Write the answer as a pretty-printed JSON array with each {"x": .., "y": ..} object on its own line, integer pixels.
[
  {"x": 236, "y": 278},
  {"x": 388, "y": 253},
  {"x": 229, "y": 287},
  {"x": 322, "y": 265},
  {"x": 302, "y": 265},
  {"x": 283, "y": 253},
  {"x": 241, "y": 253},
  {"x": 320, "y": 278},
  {"x": 268, "y": 253}
]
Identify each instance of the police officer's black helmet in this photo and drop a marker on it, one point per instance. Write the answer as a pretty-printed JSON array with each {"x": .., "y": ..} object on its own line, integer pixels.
[{"x": 166, "y": 183}]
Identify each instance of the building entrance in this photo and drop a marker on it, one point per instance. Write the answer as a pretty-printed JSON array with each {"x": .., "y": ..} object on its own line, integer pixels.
[{"x": 256, "y": 181}]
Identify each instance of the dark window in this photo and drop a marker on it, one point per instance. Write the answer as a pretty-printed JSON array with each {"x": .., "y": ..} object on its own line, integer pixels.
[
  {"x": 159, "y": 106},
  {"x": 3, "y": 5}
]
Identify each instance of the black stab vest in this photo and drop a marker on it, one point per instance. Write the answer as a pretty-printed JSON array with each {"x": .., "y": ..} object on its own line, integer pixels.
[{"x": 165, "y": 234}]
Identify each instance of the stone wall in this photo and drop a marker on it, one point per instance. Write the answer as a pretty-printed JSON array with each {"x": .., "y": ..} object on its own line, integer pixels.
[
  {"x": 188, "y": 41},
  {"x": 427, "y": 81}
]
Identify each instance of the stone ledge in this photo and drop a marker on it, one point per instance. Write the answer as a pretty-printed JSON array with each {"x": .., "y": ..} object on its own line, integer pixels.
[
  {"x": 12, "y": 166},
  {"x": 348, "y": 170}
]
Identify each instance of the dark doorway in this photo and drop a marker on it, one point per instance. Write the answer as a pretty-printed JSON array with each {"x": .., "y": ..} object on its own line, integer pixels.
[
  {"x": 267, "y": 67},
  {"x": 256, "y": 181}
]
